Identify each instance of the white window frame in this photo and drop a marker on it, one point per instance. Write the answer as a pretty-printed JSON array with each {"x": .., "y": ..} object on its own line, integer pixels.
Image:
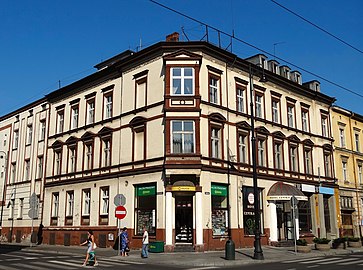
[
  {"x": 70, "y": 203},
  {"x": 89, "y": 156},
  {"x": 341, "y": 137},
  {"x": 42, "y": 131},
  {"x": 90, "y": 111},
  {"x": 27, "y": 170},
  {"x": 304, "y": 120},
  {"x": 16, "y": 139},
  {"x": 60, "y": 121},
  {"x": 21, "y": 208},
  {"x": 356, "y": 138},
  {"x": 242, "y": 147},
  {"x": 240, "y": 99},
  {"x": 182, "y": 79},
  {"x": 308, "y": 160},
  {"x": 360, "y": 174},
  {"x": 290, "y": 116},
  {"x": 213, "y": 89},
  {"x": 259, "y": 104},
  {"x": 275, "y": 111},
  {"x": 261, "y": 147},
  {"x": 105, "y": 201},
  {"x": 40, "y": 166},
  {"x": 294, "y": 150},
  {"x": 216, "y": 142},
  {"x": 72, "y": 159},
  {"x": 75, "y": 116},
  {"x": 30, "y": 135},
  {"x": 107, "y": 152},
  {"x": 86, "y": 211},
  {"x": 345, "y": 170},
  {"x": 55, "y": 204},
  {"x": 108, "y": 99},
  {"x": 278, "y": 150}
]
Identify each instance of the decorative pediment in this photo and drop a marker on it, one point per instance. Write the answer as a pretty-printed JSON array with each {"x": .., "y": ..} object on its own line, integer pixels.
[
  {"x": 183, "y": 55},
  {"x": 308, "y": 142},
  {"x": 137, "y": 121},
  {"x": 105, "y": 131},
  {"x": 278, "y": 134},
  {"x": 293, "y": 138},
  {"x": 88, "y": 136},
  {"x": 71, "y": 140},
  {"x": 262, "y": 130},
  {"x": 57, "y": 144},
  {"x": 217, "y": 117},
  {"x": 243, "y": 125},
  {"x": 327, "y": 147}
]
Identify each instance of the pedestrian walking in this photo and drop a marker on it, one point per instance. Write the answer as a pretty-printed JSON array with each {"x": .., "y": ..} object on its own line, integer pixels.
[
  {"x": 124, "y": 242},
  {"x": 145, "y": 244},
  {"x": 91, "y": 245}
]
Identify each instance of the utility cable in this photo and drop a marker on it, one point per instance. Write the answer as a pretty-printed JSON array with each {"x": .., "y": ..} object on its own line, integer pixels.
[
  {"x": 317, "y": 26},
  {"x": 257, "y": 48}
]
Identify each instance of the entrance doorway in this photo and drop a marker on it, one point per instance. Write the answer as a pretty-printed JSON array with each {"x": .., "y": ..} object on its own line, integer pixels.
[
  {"x": 285, "y": 226},
  {"x": 184, "y": 219}
]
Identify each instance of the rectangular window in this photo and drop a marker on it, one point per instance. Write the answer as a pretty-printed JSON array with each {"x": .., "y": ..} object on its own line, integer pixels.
[
  {"x": 240, "y": 99},
  {"x": 259, "y": 106},
  {"x": 11, "y": 210},
  {"x": 183, "y": 136},
  {"x": 89, "y": 156},
  {"x": 105, "y": 200},
  {"x": 42, "y": 131},
  {"x": 308, "y": 161},
  {"x": 293, "y": 158},
  {"x": 57, "y": 162},
  {"x": 182, "y": 81},
  {"x": 13, "y": 172},
  {"x": 16, "y": 139},
  {"x": 107, "y": 152},
  {"x": 145, "y": 211},
  {"x": 242, "y": 148},
  {"x": 278, "y": 157},
  {"x": 86, "y": 207},
  {"x": 327, "y": 164},
  {"x": 216, "y": 142},
  {"x": 60, "y": 121},
  {"x": 90, "y": 111},
  {"x": 108, "y": 105},
  {"x": 72, "y": 159},
  {"x": 219, "y": 210},
  {"x": 21, "y": 208},
  {"x": 249, "y": 210},
  {"x": 141, "y": 90},
  {"x": 55, "y": 209},
  {"x": 30, "y": 135},
  {"x": 344, "y": 171},
  {"x": 40, "y": 167},
  {"x": 275, "y": 111},
  {"x": 86, "y": 210},
  {"x": 356, "y": 138},
  {"x": 324, "y": 126},
  {"x": 290, "y": 115},
  {"x": 342, "y": 137},
  {"x": 360, "y": 177},
  {"x": 305, "y": 120},
  {"x": 139, "y": 143},
  {"x": 27, "y": 170},
  {"x": 213, "y": 89},
  {"x": 261, "y": 152},
  {"x": 69, "y": 208},
  {"x": 74, "y": 117}
]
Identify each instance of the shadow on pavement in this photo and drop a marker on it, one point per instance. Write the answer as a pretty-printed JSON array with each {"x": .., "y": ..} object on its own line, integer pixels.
[{"x": 10, "y": 248}]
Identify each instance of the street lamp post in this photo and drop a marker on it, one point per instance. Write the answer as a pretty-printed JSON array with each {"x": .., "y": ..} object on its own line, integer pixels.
[
  {"x": 258, "y": 253},
  {"x": 4, "y": 186}
]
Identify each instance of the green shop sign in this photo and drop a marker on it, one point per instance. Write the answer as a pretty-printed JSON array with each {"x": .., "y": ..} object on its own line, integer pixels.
[
  {"x": 146, "y": 191},
  {"x": 218, "y": 190}
]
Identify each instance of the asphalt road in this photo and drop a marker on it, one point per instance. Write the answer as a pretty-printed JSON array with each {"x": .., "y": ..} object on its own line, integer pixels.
[{"x": 346, "y": 262}]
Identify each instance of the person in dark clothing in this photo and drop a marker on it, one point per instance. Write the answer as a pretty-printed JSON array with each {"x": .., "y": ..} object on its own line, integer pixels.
[{"x": 40, "y": 234}]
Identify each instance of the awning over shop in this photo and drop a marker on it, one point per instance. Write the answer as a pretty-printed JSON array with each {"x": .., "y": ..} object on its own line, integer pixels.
[{"x": 284, "y": 192}]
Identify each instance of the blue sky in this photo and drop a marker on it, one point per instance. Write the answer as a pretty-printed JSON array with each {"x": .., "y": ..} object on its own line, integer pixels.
[{"x": 42, "y": 42}]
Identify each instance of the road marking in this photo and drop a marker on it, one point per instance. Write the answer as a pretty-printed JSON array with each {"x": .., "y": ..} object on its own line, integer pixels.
[
  {"x": 203, "y": 268},
  {"x": 302, "y": 260},
  {"x": 348, "y": 263},
  {"x": 29, "y": 266},
  {"x": 321, "y": 260},
  {"x": 52, "y": 265},
  {"x": 340, "y": 260},
  {"x": 312, "y": 266},
  {"x": 67, "y": 263},
  {"x": 6, "y": 267}
]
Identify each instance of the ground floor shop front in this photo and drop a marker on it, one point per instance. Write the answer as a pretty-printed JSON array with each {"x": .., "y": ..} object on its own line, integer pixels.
[{"x": 190, "y": 211}]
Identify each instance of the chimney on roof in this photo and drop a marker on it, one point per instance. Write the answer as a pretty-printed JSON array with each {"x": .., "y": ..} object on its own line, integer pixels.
[{"x": 174, "y": 37}]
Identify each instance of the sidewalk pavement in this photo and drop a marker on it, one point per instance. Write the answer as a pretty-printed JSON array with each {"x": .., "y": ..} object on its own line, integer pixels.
[{"x": 194, "y": 259}]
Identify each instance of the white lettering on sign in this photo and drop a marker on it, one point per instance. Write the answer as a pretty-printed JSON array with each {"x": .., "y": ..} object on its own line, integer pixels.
[{"x": 120, "y": 212}]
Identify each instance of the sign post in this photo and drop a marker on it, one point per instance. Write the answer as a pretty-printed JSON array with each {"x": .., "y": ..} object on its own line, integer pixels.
[
  {"x": 294, "y": 203},
  {"x": 120, "y": 213},
  {"x": 33, "y": 212}
]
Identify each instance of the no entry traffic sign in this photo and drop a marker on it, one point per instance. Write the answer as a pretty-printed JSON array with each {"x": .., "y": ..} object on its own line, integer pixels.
[{"x": 120, "y": 212}]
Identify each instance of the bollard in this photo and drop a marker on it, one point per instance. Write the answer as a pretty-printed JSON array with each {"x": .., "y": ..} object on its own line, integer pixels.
[{"x": 230, "y": 250}]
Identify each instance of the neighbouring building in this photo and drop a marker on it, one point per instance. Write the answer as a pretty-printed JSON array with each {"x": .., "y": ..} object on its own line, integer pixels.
[
  {"x": 348, "y": 153},
  {"x": 169, "y": 128},
  {"x": 24, "y": 135}
]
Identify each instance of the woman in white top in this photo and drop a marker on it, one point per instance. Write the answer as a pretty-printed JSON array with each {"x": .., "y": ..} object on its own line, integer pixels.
[{"x": 145, "y": 244}]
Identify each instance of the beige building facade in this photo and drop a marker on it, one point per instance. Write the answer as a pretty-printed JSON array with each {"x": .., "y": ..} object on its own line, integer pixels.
[
  {"x": 169, "y": 128},
  {"x": 347, "y": 129}
]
